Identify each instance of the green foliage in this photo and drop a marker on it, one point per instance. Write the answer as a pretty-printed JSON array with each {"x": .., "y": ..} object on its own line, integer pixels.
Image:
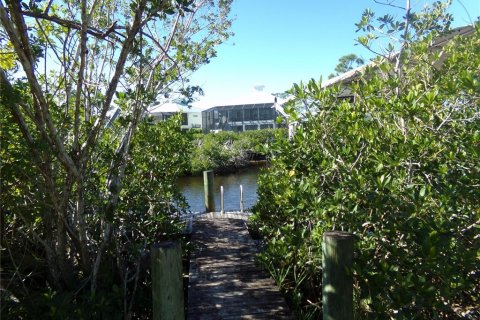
[
  {"x": 84, "y": 196},
  {"x": 227, "y": 151},
  {"x": 399, "y": 167},
  {"x": 156, "y": 163},
  {"x": 147, "y": 213},
  {"x": 384, "y": 34}
]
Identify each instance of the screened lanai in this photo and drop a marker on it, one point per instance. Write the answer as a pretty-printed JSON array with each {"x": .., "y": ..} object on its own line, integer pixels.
[{"x": 242, "y": 117}]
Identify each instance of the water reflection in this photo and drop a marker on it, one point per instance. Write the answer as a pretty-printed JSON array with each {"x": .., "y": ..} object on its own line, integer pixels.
[{"x": 192, "y": 189}]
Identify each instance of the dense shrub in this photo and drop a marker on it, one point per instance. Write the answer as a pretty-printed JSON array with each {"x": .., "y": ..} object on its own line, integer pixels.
[
  {"x": 147, "y": 213},
  {"x": 400, "y": 168},
  {"x": 227, "y": 151}
]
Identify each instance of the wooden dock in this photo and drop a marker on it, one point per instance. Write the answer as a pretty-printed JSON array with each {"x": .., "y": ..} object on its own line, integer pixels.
[{"x": 225, "y": 282}]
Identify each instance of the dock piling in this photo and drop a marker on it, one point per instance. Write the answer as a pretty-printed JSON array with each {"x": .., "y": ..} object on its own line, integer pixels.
[
  {"x": 222, "y": 201},
  {"x": 209, "y": 191},
  {"x": 167, "y": 281},
  {"x": 337, "y": 278},
  {"x": 241, "y": 198}
]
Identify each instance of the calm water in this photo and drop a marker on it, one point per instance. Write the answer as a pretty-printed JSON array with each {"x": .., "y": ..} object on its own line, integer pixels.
[{"x": 192, "y": 189}]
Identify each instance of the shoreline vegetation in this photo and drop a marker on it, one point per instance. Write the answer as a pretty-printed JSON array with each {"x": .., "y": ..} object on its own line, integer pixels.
[
  {"x": 224, "y": 170},
  {"x": 398, "y": 166},
  {"x": 228, "y": 152}
]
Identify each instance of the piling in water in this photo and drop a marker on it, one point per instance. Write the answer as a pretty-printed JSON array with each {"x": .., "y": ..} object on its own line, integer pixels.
[
  {"x": 222, "y": 201},
  {"x": 241, "y": 198},
  {"x": 209, "y": 191}
]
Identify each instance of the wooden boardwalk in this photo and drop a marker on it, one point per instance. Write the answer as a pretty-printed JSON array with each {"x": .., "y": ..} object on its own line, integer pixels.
[{"x": 225, "y": 282}]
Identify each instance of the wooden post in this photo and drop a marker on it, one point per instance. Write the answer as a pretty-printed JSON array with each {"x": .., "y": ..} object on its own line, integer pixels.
[
  {"x": 167, "y": 281},
  {"x": 222, "y": 201},
  {"x": 241, "y": 198},
  {"x": 209, "y": 192},
  {"x": 337, "y": 278}
]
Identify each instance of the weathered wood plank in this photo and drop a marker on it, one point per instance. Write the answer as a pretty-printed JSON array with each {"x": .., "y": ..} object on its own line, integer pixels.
[
  {"x": 167, "y": 282},
  {"x": 225, "y": 282}
]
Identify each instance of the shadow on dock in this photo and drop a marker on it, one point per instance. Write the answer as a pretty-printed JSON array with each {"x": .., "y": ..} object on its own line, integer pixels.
[{"x": 225, "y": 282}]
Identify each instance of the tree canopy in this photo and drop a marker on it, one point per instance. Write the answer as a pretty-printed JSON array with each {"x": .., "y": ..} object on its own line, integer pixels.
[
  {"x": 346, "y": 63},
  {"x": 66, "y": 67}
]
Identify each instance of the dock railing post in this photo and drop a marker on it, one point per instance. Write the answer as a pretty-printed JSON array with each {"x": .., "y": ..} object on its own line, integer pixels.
[
  {"x": 209, "y": 191},
  {"x": 241, "y": 198},
  {"x": 222, "y": 201},
  {"x": 167, "y": 281},
  {"x": 337, "y": 278}
]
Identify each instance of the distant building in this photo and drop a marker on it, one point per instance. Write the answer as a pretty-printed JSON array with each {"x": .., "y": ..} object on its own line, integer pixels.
[
  {"x": 353, "y": 75},
  {"x": 240, "y": 117},
  {"x": 346, "y": 79},
  {"x": 191, "y": 117}
]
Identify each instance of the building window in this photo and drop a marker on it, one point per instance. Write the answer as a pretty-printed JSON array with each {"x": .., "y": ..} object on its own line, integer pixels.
[
  {"x": 250, "y": 114},
  {"x": 236, "y": 115},
  {"x": 251, "y": 127},
  {"x": 266, "y": 114},
  {"x": 239, "y": 117}
]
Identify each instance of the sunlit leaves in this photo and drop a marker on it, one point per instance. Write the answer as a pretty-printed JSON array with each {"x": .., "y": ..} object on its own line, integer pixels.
[
  {"x": 63, "y": 215},
  {"x": 398, "y": 166},
  {"x": 8, "y": 57}
]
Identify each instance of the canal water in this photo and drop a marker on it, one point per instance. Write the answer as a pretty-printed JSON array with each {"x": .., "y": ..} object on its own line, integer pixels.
[{"x": 192, "y": 189}]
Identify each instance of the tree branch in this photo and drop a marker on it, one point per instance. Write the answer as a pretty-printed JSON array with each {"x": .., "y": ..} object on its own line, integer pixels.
[
  {"x": 81, "y": 73},
  {"x": 19, "y": 38},
  {"x": 126, "y": 48},
  {"x": 110, "y": 32},
  {"x": 390, "y": 4}
]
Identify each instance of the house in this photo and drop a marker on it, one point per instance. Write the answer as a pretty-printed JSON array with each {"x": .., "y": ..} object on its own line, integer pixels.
[
  {"x": 191, "y": 116},
  {"x": 253, "y": 110},
  {"x": 437, "y": 44},
  {"x": 240, "y": 117}
]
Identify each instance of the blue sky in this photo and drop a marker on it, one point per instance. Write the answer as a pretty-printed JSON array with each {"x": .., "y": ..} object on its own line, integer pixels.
[{"x": 280, "y": 42}]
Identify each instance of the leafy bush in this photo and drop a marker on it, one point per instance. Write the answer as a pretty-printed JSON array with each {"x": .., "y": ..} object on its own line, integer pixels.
[
  {"x": 146, "y": 214},
  {"x": 228, "y": 151},
  {"x": 400, "y": 168}
]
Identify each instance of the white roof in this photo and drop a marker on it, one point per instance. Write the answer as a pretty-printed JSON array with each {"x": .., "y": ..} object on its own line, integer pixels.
[
  {"x": 172, "y": 107},
  {"x": 251, "y": 97}
]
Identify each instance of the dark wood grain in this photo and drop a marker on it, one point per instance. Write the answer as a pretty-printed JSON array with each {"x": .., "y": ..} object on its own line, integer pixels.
[{"x": 225, "y": 282}]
